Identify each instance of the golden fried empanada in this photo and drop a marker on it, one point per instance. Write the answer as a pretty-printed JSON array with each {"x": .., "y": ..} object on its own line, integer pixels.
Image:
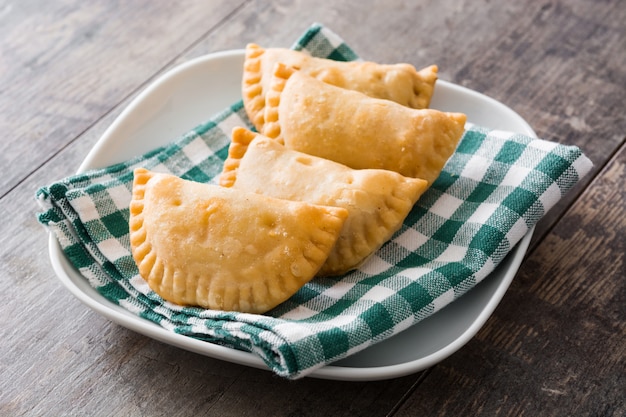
[
  {"x": 214, "y": 247},
  {"x": 377, "y": 200},
  {"x": 401, "y": 83},
  {"x": 348, "y": 127}
]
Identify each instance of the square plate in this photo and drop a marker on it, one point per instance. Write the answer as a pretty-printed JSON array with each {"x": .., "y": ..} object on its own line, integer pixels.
[{"x": 184, "y": 97}]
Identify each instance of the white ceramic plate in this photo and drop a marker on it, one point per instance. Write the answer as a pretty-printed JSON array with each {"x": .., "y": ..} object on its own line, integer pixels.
[{"x": 185, "y": 97}]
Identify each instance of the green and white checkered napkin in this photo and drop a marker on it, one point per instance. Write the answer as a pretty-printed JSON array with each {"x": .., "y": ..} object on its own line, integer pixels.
[{"x": 492, "y": 191}]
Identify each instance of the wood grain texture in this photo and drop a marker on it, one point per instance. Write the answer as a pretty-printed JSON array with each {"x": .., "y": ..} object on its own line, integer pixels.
[
  {"x": 556, "y": 344},
  {"x": 64, "y": 64}
]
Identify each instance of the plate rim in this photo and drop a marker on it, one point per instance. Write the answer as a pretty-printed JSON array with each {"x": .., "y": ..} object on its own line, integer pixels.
[{"x": 63, "y": 268}]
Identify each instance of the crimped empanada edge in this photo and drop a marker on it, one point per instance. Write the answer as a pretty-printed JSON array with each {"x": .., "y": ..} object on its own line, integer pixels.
[
  {"x": 280, "y": 75},
  {"x": 240, "y": 140},
  {"x": 251, "y": 85}
]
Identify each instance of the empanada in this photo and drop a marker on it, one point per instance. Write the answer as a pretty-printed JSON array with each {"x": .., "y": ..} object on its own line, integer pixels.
[
  {"x": 214, "y": 247},
  {"x": 348, "y": 127},
  {"x": 401, "y": 83},
  {"x": 377, "y": 200}
]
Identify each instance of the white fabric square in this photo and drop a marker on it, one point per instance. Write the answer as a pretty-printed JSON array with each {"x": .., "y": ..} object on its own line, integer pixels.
[
  {"x": 403, "y": 325},
  {"x": 582, "y": 165},
  {"x": 415, "y": 273},
  {"x": 375, "y": 265},
  {"x": 333, "y": 38},
  {"x": 113, "y": 249},
  {"x": 196, "y": 150},
  {"x": 132, "y": 307},
  {"x": 453, "y": 253},
  {"x": 378, "y": 293},
  {"x": 343, "y": 320},
  {"x": 518, "y": 230},
  {"x": 485, "y": 270},
  {"x": 476, "y": 168},
  {"x": 446, "y": 205},
  {"x": 121, "y": 196},
  {"x": 231, "y": 122},
  {"x": 161, "y": 168},
  {"x": 411, "y": 239},
  {"x": 86, "y": 208},
  {"x": 140, "y": 284},
  {"x": 550, "y": 197},
  {"x": 543, "y": 145},
  {"x": 293, "y": 331},
  {"x": 105, "y": 178},
  {"x": 338, "y": 290},
  {"x": 301, "y": 312},
  {"x": 501, "y": 134},
  {"x": 515, "y": 175},
  {"x": 483, "y": 213},
  {"x": 444, "y": 299}
]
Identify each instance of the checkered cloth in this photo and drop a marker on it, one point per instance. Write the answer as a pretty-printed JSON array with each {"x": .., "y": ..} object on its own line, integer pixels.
[{"x": 492, "y": 191}]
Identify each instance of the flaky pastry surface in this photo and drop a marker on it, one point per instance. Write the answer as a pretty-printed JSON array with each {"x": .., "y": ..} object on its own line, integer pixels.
[
  {"x": 400, "y": 83},
  {"x": 218, "y": 248},
  {"x": 348, "y": 127},
  {"x": 377, "y": 200}
]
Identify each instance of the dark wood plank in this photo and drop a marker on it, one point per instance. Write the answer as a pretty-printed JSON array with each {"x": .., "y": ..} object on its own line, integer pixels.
[
  {"x": 558, "y": 65},
  {"x": 556, "y": 345},
  {"x": 65, "y": 64}
]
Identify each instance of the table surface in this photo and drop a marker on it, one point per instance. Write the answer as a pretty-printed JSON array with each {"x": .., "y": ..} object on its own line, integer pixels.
[{"x": 556, "y": 344}]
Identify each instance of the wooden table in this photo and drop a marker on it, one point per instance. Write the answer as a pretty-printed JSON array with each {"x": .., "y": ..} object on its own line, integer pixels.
[{"x": 556, "y": 345}]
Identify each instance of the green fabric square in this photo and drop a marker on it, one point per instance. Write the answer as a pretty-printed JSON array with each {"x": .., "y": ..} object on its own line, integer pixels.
[
  {"x": 378, "y": 319},
  {"x": 95, "y": 189},
  {"x": 88, "y": 230},
  {"x": 470, "y": 142},
  {"x": 553, "y": 166},
  {"x": 113, "y": 292},
  {"x": 510, "y": 152},
  {"x": 337, "y": 308},
  {"x": 303, "y": 295},
  {"x": 416, "y": 296},
  {"x": 197, "y": 175},
  {"x": 447, "y": 231},
  {"x": 319, "y": 45},
  {"x": 342, "y": 53},
  {"x": 334, "y": 342},
  {"x": 519, "y": 200},
  {"x": 205, "y": 127},
  {"x": 152, "y": 316},
  {"x": 306, "y": 39},
  {"x": 455, "y": 272},
  {"x": 78, "y": 255},
  {"x": 416, "y": 213},
  {"x": 481, "y": 192},
  {"x": 117, "y": 223},
  {"x": 487, "y": 239},
  {"x": 444, "y": 181},
  {"x": 222, "y": 153},
  {"x": 412, "y": 260}
]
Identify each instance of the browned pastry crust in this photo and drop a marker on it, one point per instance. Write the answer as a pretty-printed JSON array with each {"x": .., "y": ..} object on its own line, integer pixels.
[
  {"x": 377, "y": 200},
  {"x": 351, "y": 128},
  {"x": 218, "y": 248},
  {"x": 400, "y": 83}
]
